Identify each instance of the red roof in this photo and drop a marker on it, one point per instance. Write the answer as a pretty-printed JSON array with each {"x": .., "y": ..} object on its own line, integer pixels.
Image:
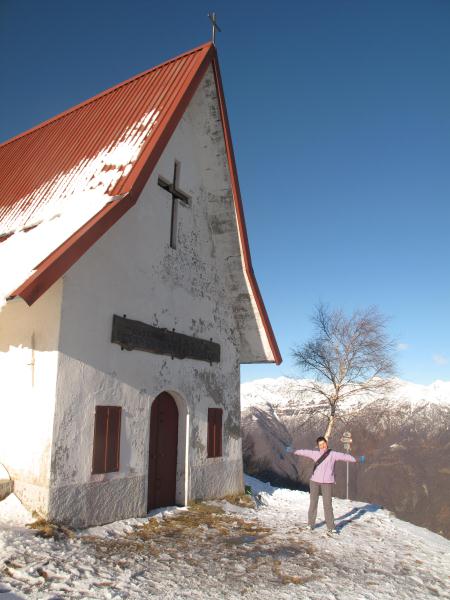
[{"x": 139, "y": 115}]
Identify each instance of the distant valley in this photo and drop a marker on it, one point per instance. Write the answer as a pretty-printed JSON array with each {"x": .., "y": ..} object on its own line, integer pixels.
[{"x": 405, "y": 437}]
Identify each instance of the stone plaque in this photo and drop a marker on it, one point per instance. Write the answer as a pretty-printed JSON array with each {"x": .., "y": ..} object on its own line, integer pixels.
[{"x": 135, "y": 335}]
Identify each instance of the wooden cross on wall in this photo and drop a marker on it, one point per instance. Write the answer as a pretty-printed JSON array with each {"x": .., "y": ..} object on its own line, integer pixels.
[{"x": 177, "y": 194}]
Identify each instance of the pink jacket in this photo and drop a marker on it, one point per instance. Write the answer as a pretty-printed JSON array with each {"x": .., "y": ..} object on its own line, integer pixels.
[{"x": 325, "y": 471}]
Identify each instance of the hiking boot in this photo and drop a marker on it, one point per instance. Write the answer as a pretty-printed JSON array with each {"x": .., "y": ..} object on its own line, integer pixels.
[{"x": 332, "y": 532}]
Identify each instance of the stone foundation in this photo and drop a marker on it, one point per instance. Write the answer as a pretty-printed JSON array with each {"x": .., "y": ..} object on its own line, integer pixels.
[
  {"x": 216, "y": 478},
  {"x": 97, "y": 503}
]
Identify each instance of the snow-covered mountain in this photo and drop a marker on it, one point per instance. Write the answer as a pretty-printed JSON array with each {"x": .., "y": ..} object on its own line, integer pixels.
[{"x": 405, "y": 437}]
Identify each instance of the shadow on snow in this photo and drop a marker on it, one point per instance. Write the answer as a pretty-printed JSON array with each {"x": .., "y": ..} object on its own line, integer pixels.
[{"x": 353, "y": 515}]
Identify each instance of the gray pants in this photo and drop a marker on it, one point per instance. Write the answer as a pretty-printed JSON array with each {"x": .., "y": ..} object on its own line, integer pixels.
[{"x": 327, "y": 499}]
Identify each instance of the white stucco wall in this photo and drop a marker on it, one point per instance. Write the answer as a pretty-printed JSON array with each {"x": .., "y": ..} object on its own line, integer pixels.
[
  {"x": 132, "y": 270},
  {"x": 28, "y": 366},
  {"x": 254, "y": 345}
]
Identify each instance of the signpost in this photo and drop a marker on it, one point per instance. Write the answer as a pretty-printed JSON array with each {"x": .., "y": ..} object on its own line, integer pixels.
[{"x": 346, "y": 439}]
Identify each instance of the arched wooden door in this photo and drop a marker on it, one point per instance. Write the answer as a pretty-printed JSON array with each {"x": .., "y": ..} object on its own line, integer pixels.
[{"x": 162, "y": 464}]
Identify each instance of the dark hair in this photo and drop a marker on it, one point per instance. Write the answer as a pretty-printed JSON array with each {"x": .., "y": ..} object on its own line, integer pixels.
[{"x": 321, "y": 439}]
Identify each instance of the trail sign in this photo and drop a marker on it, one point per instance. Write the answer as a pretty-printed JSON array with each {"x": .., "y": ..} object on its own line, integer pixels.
[{"x": 346, "y": 439}]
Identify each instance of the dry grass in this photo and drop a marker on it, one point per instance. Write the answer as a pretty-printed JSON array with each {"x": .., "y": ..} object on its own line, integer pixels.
[
  {"x": 120, "y": 547},
  {"x": 199, "y": 519},
  {"x": 176, "y": 534},
  {"x": 46, "y": 529},
  {"x": 285, "y": 578},
  {"x": 241, "y": 500}
]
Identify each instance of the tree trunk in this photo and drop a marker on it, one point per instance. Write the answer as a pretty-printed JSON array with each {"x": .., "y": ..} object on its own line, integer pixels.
[{"x": 329, "y": 427}]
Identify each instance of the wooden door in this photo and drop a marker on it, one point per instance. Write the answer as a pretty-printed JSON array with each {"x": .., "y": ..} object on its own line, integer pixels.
[{"x": 162, "y": 464}]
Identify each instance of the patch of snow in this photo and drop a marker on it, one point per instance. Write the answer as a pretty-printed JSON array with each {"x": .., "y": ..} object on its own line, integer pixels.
[
  {"x": 22, "y": 252},
  {"x": 13, "y": 513},
  {"x": 120, "y": 528}
]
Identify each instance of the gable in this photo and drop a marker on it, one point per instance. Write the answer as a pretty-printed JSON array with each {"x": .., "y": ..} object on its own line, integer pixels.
[
  {"x": 86, "y": 169},
  {"x": 226, "y": 223}
]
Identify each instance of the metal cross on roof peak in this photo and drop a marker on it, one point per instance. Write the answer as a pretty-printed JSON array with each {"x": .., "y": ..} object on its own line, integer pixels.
[{"x": 212, "y": 18}]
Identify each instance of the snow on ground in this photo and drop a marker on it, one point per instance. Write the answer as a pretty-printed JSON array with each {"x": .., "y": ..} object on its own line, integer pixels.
[{"x": 223, "y": 551}]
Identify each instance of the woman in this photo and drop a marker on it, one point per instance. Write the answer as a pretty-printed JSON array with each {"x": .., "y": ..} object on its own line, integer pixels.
[{"x": 322, "y": 479}]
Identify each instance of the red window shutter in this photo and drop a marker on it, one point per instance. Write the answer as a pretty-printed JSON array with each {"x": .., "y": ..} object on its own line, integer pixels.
[
  {"x": 113, "y": 439},
  {"x": 210, "y": 432},
  {"x": 101, "y": 420},
  {"x": 106, "y": 439},
  {"x": 219, "y": 432},
  {"x": 214, "y": 432}
]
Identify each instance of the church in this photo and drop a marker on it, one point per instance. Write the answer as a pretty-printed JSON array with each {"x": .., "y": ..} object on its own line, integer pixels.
[{"x": 128, "y": 300}]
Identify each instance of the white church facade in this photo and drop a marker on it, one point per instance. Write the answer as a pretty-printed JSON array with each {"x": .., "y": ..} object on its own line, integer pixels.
[{"x": 128, "y": 301}]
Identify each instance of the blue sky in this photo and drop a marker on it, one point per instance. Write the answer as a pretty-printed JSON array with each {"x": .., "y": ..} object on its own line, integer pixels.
[{"x": 340, "y": 116}]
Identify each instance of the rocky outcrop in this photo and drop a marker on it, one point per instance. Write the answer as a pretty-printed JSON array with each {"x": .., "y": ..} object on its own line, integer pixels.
[
  {"x": 405, "y": 438},
  {"x": 6, "y": 488},
  {"x": 6, "y": 483}
]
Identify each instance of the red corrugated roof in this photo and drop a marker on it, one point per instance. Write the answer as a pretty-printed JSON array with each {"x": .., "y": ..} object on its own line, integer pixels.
[{"x": 64, "y": 155}]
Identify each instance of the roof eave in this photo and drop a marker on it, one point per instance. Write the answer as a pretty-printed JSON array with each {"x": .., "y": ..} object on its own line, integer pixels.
[
  {"x": 61, "y": 259},
  {"x": 277, "y": 359}
]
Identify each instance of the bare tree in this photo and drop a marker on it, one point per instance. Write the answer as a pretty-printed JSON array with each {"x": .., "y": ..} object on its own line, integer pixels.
[{"x": 347, "y": 356}]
